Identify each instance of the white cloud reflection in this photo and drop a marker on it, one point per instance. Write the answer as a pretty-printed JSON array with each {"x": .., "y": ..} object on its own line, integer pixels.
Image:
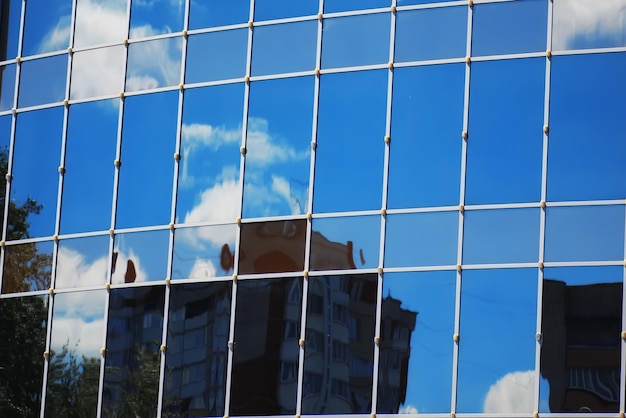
[
  {"x": 514, "y": 392},
  {"x": 408, "y": 409}
]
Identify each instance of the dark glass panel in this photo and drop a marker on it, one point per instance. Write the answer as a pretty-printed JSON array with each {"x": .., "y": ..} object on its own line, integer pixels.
[
  {"x": 149, "y": 18},
  {"x": 74, "y": 367},
  {"x": 47, "y": 26},
  {"x": 132, "y": 365},
  {"x": 197, "y": 350},
  {"x": 148, "y": 145},
  {"x": 497, "y": 348},
  {"x": 279, "y": 9},
  {"x": 82, "y": 262},
  {"x": 27, "y": 267},
  {"x": 587, "y": 148},
  {"x": 416, "y": 348},
  {"x": 140, "y": 256},
  {"x": 339, "y": 351},
  {"x": 35, "y": 89},
  {"x": 36, "y": 158},
  {"x": 216, "y": 56},
  {"x": 23, "y": 335},
  {"x": 345, "y": 243},
  {"x": 505, "y": 145},
  {"x": 153, "y": 64},
  {"x": 10, "y": 11},
  {"x": 331, "y": 6},
  {"x": 265, "y": 361},
  {"x": 7, "y": 86},
  {"x": 272, "y": 247},
  {"x": 210, "y": 13},
  {"x": 588, "y": 24},
  {"x": 581, "y": 347},
  {"x": 89, "y": 155}
]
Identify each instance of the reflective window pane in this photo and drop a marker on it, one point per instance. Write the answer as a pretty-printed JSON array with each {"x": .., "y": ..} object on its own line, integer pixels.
[
  {"x": 585, "y": 233},
  {"x": 278, "y": 147},
  {"x": 89, "y": 155},
  {"x": 331, "y": 6},
  {"x": 149, "y": 18},
  {"x": 27, "y": 267},
  {"x": 36, "y": 158},
  {"x": 580, "y": 350},
  {"x": 203, "y": 252},
  {"x": 210, "y": 13},
  {"x": 425, "y": 153},
  {"x": 208, "y": 178},
  {"x": 100, "y": 22},
  {"x": 587, "y": 148},
  {"x": 355, "y": 40},
  {"x": 345, "y": 243},
  {"x": 284, "y": 48},
  {"x": 509, "y": 27},
  {"x": 98, "y": 72},
  {"x": 581, "y": 24},
  {"x": 82, "y": 262},
  {"x": 7, "y": 86},
  {"x": 501, "y": 236},
  {"x": 428, "y": 34},
  {"x": 278, "y": 9},
  {"x": 505, "y": 146},
  {"x": 11, "y": 10},
  {"x": 216, "y": 56},
  {"x": 35, "y": 89},
  {"x": 146, "y": 174},
  {"x": 153, "y": 64},
  {"x": 23, "y": 329},
  {"x": 350, "y": 147},
  {"x": 415, "y": 363},
  {"x": 197, "y": 350},
  {"x": 47, "y": 26},
  {"x": 409, "y": 2},
  {"x": 339, "y": 350},
  {"x": 272, "y": 247},
  {"x": 140, "y": 257},
  {"x": 265, "y": 359},
  {"x": 497, "y": 347},
  {"x": 132, "y": 364},
  {"x": 422, "y": 239},
  {"x": 74, "y": 366}
]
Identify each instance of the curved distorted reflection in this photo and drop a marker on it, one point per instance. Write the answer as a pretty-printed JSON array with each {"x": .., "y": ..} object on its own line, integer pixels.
[{"x": 140, "y": 257}]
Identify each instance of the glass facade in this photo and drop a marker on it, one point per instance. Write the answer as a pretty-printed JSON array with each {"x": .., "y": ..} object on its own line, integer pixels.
[{"x": 312, "y": 207}]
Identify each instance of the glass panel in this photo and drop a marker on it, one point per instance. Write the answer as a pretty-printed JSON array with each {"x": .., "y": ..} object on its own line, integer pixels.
[
  {"x": 27, "y": 267},
  {"x": 422, "y": 239},
  {"x": 209, "y": 13},
  {"x": 98, "y": 72},
  {"x": 425, "y": 154},
  {"x": 345, "y": 243},
  {"x": 10, "y": 11},
  {"x": 132, "y": 365},
  {"x": 356, "y": 40},
  {"x": 74, "y": 367},
  {"x": 208, "y": 179},
  {"x": 265, "y": 360},
  {"x": 197, "y": 350},
  {"x": 272, "y": 247},
  {"x": 509, "y": 27},
  {"x": 7, "y": 86},
  {"x": 82, "y": 262},
  {"x": 588, "y": 24},
  {"x": 89, "y": 156},
  {"x": 153, "y": 64},
  {"x": 278, "y": 147},
  {"x": 216, "y": 56},
  {"x": 431, "y": 34},
  {"x": 505, "y": 146},
  {"x": 415, "y": 366},
  {"x": 148, "y": 144},
  {"x": 203, "y": 252},
  {"x": 585, "y": 233},
  {"x": 501, "y": 236},
  {"x": 497, "y": 348},
  {"x": 278, "y": 9},
  {"x": 47, "y": 26},
  {"x": 100, "y": 22},
  {"x": 35, "y": 89},
  {"x": 587, "y": 148},
  {"x": 331, "y": 6},
  {"x": 580, "y": 351},
  {"x": 339, "y": 351},
  {"x": 140, "y": 256},
  {"x": 285, "y": 48},
  {"x": 35, "y": 168},
  {"x": 409, "y": 2},
  {"x": 351, "y": 120},
  {"x": 149, "y": 18},
  {"x": 23, "y": 329}
]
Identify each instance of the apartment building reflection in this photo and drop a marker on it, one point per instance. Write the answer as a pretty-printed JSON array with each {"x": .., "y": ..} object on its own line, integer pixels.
[{"x": 580, "y": 355}]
